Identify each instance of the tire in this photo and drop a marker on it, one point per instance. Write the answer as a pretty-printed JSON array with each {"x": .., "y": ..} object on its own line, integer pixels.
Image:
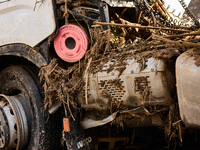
[{"x": 16, "y": 80}]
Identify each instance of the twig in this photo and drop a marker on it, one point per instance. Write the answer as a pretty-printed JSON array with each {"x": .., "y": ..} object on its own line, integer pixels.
[
  {"x": 53, "y": 69},
  {"x": 176, "y": 122},
  {"x": 37, "y": 3},
  {"x": 86, "y": 84},
  {"x": 69, "y": 107},
  {"x": 181, "y": 35},
  {"x": 126, "y": 22},
  {"x": 189, "y": 44},
  {"x": 150, "y": 37},
  {"x": 98, "y": 60},
  {"x": 139, "y": 26},
  {"x": 66, "y": 15},
  {"x": 79, "y": 64}
]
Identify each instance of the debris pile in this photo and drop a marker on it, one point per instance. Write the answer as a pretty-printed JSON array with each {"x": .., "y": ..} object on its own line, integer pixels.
[
  {"x": 124, "y": 40},
  {"x": 61, "y": 83}
]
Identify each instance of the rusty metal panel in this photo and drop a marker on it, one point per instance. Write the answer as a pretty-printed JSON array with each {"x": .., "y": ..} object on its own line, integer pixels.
[{"x": 28, "y": 22}]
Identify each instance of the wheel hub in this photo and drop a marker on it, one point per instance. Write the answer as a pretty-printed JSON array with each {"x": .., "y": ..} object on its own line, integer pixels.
[
  {"x": 13, "y": 122},
  {"x": 3, "y": 131}
]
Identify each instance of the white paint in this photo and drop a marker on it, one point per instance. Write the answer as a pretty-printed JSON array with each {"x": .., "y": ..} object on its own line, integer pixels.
[{"x": 20, "y": 23}]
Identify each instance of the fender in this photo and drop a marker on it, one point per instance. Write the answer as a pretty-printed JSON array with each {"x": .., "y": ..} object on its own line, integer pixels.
[
  {"x": 24, "y": 51},
  {"x": 28, "y": 22}
]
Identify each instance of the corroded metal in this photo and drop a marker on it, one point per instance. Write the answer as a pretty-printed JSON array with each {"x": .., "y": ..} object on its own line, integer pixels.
[{"x": 14, "y": 122}]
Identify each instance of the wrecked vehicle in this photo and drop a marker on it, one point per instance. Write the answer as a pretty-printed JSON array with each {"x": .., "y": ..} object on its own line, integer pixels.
[{"x": 70, "y": 69}]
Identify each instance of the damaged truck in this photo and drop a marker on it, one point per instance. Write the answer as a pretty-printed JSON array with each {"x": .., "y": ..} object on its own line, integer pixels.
[{"x": 74, "y": 73}]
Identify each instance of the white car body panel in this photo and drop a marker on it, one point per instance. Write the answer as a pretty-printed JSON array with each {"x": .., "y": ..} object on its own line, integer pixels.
[{"x": 21, "y": 23}]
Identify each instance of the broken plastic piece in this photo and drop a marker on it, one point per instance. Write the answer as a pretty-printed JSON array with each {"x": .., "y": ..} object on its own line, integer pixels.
[
  {"x": 90, "y": 123},
  {"x": 66, "y": 125}
]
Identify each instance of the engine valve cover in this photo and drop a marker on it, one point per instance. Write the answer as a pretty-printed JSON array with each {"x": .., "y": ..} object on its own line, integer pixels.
[{"x": 133, "y": 87}]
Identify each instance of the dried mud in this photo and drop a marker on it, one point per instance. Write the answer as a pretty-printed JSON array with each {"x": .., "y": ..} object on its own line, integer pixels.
[{"x": 195, "y": 52}]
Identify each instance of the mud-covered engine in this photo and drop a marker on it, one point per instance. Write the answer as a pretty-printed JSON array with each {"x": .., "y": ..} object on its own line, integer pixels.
[
  {"x": 133, "y": 88},
  {"x": 137, "y": 89}
]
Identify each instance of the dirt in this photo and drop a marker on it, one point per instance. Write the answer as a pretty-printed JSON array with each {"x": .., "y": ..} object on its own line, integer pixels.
[
  {"x": 116, "y": 82},
  {"x": 141, "y": 85},
  {"x": 195, "y": 53}
]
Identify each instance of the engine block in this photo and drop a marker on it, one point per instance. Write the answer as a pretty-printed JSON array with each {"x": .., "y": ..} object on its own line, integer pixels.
[{"x": 134, "y": 88}]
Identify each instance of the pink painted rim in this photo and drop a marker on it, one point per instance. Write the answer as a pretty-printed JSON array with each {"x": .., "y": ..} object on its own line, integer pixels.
[{"x": 67, "y": 32}]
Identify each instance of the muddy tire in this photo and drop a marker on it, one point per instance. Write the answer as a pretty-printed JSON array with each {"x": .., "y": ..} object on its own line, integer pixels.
[{"x": 17, "y": 80}]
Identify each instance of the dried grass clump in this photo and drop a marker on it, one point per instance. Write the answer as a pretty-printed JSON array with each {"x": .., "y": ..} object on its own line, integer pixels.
[
  {"x": 62, "y": 83},
  {"x": 174, "y": 128},
  {"x": 57, "y": 82}
]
